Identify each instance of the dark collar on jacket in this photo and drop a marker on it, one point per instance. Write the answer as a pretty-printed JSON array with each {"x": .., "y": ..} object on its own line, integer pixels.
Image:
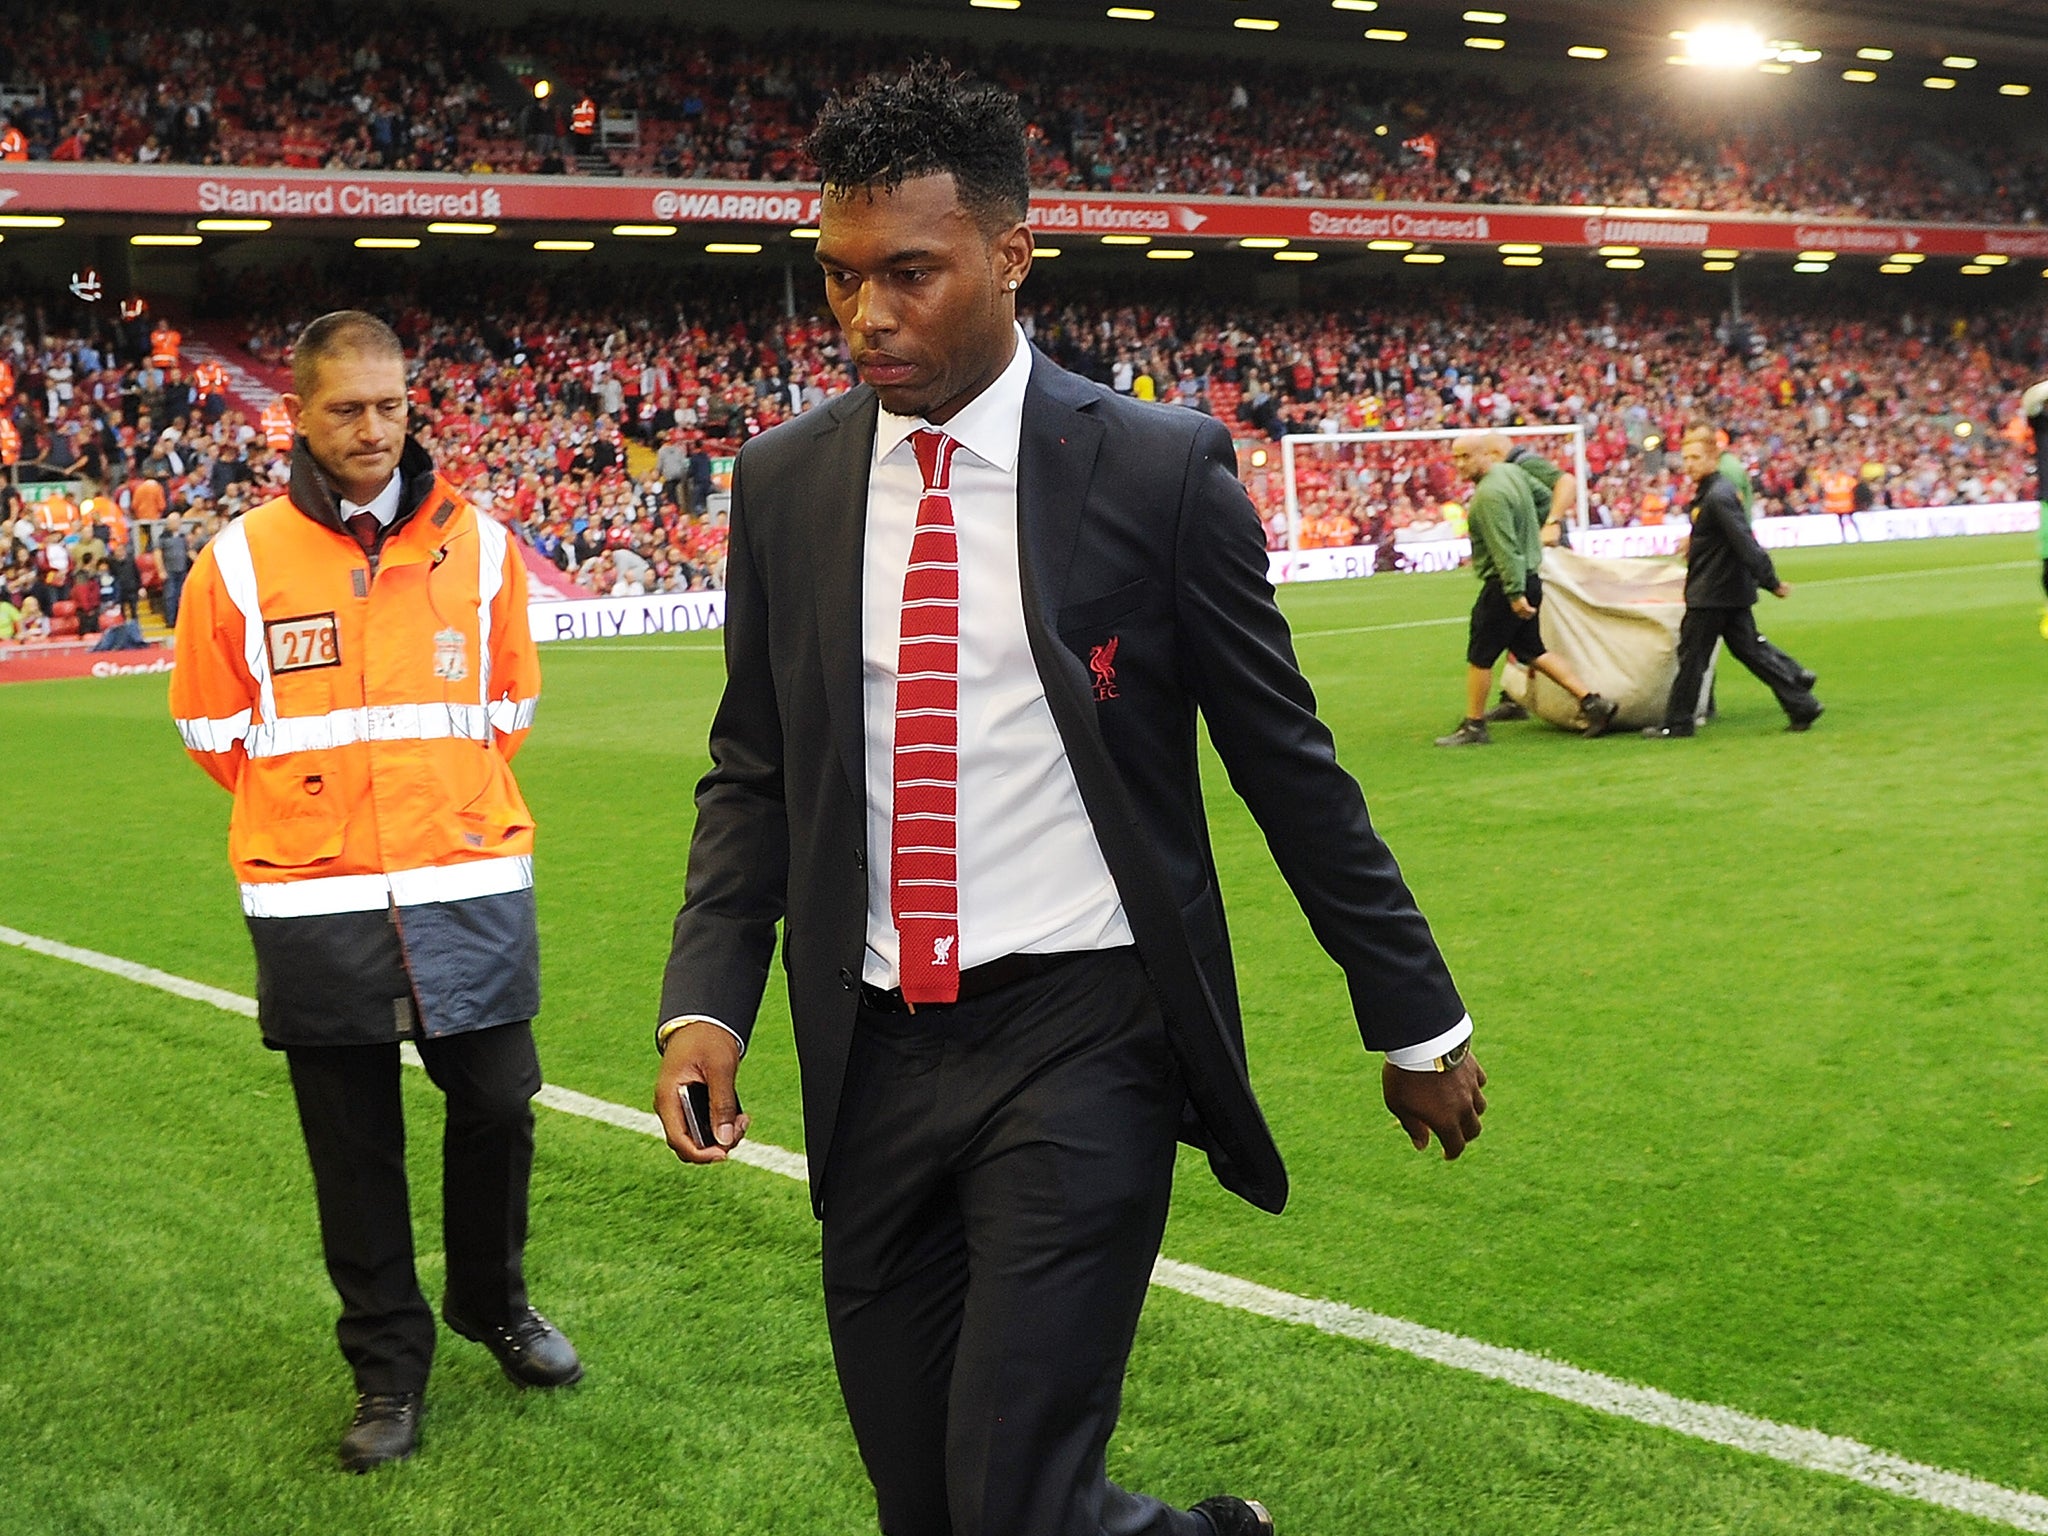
[
  {"x": 312, "y": 492},
  {"x": 1708, "y": 486}
]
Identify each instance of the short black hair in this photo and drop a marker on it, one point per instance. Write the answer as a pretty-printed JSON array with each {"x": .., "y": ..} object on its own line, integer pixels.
[
  {"x": 345, "y": 330},
  {"x": 921, "y": 123}
]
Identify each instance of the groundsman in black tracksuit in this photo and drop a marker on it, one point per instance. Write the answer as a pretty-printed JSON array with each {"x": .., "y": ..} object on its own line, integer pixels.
[{"x": 1725, "y": 566}]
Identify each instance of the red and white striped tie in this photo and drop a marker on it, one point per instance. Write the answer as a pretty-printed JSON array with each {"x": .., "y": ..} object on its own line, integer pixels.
[{"x": 924, "y": 869}]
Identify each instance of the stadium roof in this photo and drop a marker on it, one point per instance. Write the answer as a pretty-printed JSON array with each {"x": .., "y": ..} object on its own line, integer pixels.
[{"x": 1991, "y": 33}]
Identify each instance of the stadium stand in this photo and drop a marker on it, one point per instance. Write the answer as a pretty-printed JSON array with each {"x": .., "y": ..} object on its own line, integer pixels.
[
  {"x": 599, "y": 433},
  {"x": 228, "y": 84}
]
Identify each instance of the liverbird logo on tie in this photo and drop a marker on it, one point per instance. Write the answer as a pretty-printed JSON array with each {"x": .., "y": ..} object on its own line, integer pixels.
[
  {"x": 941, "y": 948},
  {"x": 1102, "y": 662}
]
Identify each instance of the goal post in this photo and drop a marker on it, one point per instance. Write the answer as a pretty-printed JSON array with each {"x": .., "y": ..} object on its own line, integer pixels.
[{"x": 1356, "y": 472}]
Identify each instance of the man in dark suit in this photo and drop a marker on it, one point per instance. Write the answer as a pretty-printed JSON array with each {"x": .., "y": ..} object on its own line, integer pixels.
[
  {"x": 1724, "y": 568},
  {"x": 973, "y": 608}
]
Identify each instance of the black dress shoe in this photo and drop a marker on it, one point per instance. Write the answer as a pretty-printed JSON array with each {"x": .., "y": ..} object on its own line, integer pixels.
[
  {"x": 1599, "y": 714},
  {"x": 531, "y": 1349},
  {"x": 1805, "y": 722},
  {"x": 1236, "y": 1517},
  {"x": 386, "y": 1428},
  {"x": 1808, "y": 679}
]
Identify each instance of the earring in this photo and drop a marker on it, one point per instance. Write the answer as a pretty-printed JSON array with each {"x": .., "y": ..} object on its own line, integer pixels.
[{"x": 1013, "y": 285}]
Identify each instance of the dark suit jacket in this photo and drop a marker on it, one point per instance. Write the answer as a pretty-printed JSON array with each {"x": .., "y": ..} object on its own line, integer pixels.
[
  {"x": 1133, "y": 528},
  {"x": 1725, "y": 565}
]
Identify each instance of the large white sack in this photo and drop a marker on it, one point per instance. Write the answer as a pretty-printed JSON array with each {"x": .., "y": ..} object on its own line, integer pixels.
[{"x": 1616, "y": 623}]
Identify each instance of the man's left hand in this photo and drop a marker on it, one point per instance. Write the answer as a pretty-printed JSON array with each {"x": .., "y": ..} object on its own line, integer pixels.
[
  {"x": 1448, "y": 1103},
  {"x": 1522, "y": 607}
]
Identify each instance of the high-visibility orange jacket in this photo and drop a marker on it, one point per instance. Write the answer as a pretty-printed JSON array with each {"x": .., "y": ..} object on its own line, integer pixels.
[
  {"x": 210, "y": 378},
  {"x": 364, "y": 713},
  {"x": 13, "y": 144},
  {"x": 10, "y": 444},
  {"x": 276, "y": 422},
  {"x": 584, "y": 118},
  {"x": 1838, "y": 493},
  {"x": 164, "y": 343}
]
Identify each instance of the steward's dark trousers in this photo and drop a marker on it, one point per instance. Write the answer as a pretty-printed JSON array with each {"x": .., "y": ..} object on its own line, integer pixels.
[
  {"x": 995, "y": 1198},
  {"x": 1698, "y": 633},
  {"x": 349, "y": 1108}
]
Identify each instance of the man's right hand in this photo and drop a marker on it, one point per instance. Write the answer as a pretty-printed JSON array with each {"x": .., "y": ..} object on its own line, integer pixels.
[
  {"x": 1782, "y": 589},
  {"x": 700, "y": 1053}
]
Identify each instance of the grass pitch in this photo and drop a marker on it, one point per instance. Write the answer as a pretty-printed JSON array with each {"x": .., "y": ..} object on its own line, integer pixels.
[{"x": 1770, "y": 1124}]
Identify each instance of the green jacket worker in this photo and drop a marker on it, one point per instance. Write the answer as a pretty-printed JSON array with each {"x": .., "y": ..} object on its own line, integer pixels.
[{"x": 1507, "y": 550}]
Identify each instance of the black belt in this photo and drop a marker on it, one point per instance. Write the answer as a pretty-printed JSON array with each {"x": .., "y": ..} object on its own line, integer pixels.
[{"x": 976, "y": 980}]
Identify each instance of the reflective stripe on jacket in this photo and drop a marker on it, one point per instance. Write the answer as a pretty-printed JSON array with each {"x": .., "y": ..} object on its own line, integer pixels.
[{"x": 363, "y": 714}]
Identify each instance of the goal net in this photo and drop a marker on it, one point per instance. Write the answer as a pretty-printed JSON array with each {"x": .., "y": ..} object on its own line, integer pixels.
[{"x": 1397, "y": 491}]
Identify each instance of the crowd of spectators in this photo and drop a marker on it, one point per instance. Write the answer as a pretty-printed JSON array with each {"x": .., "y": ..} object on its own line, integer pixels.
[
  {"x": 224, "y": 82},
  {"x": 603, "y": 433},
  {"x": 1919, "y": 409}
]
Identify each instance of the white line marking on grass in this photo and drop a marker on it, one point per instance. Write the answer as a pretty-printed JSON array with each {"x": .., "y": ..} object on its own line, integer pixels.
[
  {"x": 1825, "y": 581},
  {"x": 128, "y": 970},
  {"x": 1935, "y": 570},
  {"x": 1806, "y": 1448},
  {"x": 1376, "y": 629}
]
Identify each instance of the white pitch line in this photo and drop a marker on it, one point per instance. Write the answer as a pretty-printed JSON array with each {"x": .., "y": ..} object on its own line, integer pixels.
[
  {"x": 1933, "y": 570},
  {"x": 128, "y": 970},
  {"x": 1825, "y": 581},
  {"x": 1377, "y": 629},
  {"x": 1809, "y": 1449}
]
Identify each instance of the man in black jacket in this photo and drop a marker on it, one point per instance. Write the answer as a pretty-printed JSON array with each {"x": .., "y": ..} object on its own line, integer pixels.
[
  {"x": 1725, "y": 566},
  {"x": 956, "y": 759}
]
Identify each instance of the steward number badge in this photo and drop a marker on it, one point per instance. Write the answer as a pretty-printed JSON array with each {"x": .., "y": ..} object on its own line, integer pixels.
[
  {"x": 451, "y": 655},
  {"x": 310, "y": 640}
]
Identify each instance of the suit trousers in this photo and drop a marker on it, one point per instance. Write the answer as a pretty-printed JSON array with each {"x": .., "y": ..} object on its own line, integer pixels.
[
  {"x": 997, "y": 1190},
  {"x": 349, "y": 1109},
  {"x": 1698, "y": 633}
]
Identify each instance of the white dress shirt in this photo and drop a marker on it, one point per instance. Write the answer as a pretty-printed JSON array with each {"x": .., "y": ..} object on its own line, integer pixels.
[
  {"x": 1032, "y": 879},
  {"x": 383, "y": 506}
]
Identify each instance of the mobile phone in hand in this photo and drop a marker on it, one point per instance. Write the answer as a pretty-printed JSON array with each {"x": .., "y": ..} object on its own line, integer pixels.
[{"x": 697, "y": 1114}]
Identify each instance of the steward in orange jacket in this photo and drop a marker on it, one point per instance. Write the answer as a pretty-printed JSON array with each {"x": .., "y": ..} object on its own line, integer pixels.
[
  {"x": 364, "y": 710},
  {"x": 276, "y": 424},
  {"x": 359, "y": 675}
]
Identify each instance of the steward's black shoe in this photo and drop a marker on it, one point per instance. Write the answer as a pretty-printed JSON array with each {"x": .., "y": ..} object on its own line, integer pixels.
[
  {"x": 1599, "y": 714},
  {"x": 386, "y": 1428},
  {"x": 1805, "y": 722},
  {"x": 1506, "y": 709},
  {"x": 1236, "y": 1517},
  {"x": 1808, "y": 679},
  {"x": 1471, "y": 733},
  {"x": 531, "y": 1349}
]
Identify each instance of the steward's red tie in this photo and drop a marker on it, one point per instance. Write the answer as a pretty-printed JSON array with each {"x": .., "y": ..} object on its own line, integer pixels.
[
  {"x": 365, "y": 527},
  {"x": 924, "y": 868}
]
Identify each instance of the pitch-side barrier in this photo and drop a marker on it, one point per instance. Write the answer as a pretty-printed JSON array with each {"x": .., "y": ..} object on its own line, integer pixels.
[
  {"x": 1662, "y": 539},
  {"x": 612, "y": 618}
]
